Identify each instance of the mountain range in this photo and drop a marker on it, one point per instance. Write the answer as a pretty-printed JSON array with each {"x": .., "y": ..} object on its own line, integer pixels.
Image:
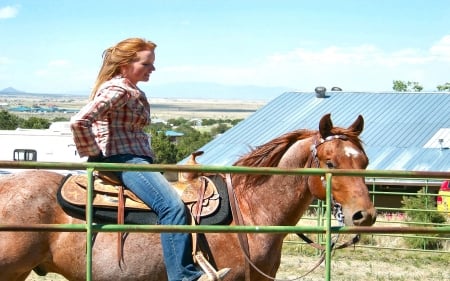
[{"x": 11, "y": 90}]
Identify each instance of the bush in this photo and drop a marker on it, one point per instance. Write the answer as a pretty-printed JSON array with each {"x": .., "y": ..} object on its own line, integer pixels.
[{"x": 421, "y": 208}]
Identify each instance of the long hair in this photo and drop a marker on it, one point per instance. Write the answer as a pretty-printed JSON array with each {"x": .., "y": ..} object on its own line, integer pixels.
[{"x": 119, "y": 55}]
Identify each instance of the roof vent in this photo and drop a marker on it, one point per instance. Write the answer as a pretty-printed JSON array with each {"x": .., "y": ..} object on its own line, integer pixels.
[
  {"x": 337, "y": 89},
  {"x": 320, "y": 91}
]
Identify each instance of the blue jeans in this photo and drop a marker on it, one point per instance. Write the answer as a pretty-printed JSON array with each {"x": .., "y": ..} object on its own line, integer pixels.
[{"x": 157, "y": 193}]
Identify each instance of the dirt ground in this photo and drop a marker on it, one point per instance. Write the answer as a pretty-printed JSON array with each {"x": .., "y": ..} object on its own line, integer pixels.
[{"x": 356, "y": 265}]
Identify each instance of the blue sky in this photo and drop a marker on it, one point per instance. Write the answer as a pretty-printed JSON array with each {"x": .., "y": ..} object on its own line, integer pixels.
[{"x": 52, "y": 46}]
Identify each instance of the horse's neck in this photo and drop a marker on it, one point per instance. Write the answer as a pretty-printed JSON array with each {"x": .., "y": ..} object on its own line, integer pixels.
[{"x": 282, "y": 199}]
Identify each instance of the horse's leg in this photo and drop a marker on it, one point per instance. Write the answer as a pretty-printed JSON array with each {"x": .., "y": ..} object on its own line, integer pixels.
[
  {"x": 25, "y": 198},
  {"x": 22, "y": 277},
  {"x": 5, "y": 276},
  {"x": 19, "y": 253}
]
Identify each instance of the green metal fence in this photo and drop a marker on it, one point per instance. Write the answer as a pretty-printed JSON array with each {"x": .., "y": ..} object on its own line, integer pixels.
[
  {"x": 324, "y": 227},
  {"x": 394, "y": 212}
]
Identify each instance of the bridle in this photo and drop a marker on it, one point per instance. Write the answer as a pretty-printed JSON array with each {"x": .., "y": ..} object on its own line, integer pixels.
[
  {"x": 337, "y": 207},
  {"x": 337, "y": 212}
]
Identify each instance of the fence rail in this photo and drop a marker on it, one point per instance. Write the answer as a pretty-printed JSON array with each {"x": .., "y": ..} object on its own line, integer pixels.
[{"x": 324, "y": 223}]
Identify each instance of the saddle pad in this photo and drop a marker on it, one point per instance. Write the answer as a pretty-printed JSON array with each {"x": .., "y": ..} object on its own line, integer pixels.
[{"x": 104, "y": 215}]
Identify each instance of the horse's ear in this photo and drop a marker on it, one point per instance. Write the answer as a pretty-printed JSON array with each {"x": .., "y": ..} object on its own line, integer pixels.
[
  {"x": 325, "y": 125},
  {"x": 358, "y": 125}
]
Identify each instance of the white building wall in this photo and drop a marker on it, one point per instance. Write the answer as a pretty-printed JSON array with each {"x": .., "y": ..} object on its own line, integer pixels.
[{"x": 52, "y": 145}]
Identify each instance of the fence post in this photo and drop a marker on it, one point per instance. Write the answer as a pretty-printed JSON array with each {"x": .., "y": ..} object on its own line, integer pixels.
[
  {"x": 89, "y": 219},
  {"x": 328, "y": 228}
]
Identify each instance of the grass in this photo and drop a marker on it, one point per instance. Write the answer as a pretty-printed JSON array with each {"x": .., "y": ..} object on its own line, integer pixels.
[
  {"x": 381, "y": 257},
  {"x": 365, "y": 264}
]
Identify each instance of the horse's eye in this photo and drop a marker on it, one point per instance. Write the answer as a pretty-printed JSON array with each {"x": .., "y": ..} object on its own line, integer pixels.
[{"x": 329, "y": 164}]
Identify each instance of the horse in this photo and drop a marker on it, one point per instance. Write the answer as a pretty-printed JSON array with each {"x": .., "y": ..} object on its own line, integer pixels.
[{"x": 29, "y": 198}]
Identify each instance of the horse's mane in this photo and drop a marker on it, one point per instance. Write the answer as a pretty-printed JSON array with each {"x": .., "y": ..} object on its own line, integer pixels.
[{"x": 270, "y": 153}]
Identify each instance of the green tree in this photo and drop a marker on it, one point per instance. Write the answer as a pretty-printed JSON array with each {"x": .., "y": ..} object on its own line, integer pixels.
[
  {"x": 410, "y": 86},
  {"x": 191, "y": 141},
  {"x": 219, "y": 129},
  {"x": 399, "y": 86},
  {"x": 208, "y": 122},
  {"x": 60, "y": 119},
  {"x": 165, "y": 151},
  {"x": 235, "y": 121},
  {"x": 35, "y": 123},
  {"x": 178, "y": 122},
  {"x": 8, "y": 121},
  {"x": 444, "y": 87},
  {"x": 422, "y": 208},
  {"x": 414, "y": 86}
]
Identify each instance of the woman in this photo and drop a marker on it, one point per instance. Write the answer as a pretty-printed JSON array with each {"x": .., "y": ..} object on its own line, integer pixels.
[{"x": 110, "y": 129}]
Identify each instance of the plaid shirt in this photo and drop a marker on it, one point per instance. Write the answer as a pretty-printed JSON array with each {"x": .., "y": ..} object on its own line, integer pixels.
[{"x": 113, "y": 122}]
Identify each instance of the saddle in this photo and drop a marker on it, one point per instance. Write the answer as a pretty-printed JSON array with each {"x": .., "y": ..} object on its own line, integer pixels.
[
  {"x": 200, "y": 195},
  {"x": 204, "y": 196}
]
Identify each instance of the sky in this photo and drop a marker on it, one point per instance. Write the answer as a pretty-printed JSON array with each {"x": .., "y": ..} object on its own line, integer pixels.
[{"x": 49, "y": 46}]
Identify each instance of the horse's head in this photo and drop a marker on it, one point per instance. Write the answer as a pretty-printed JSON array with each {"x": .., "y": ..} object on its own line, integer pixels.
[{"x": 339, "y": 148}]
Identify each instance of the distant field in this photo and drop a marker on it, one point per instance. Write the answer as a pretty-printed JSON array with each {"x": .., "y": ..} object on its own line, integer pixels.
[{"x": 160, "y": 108}]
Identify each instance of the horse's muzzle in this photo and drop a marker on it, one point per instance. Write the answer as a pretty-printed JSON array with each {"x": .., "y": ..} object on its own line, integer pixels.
[{"x": 365, "y": 218}]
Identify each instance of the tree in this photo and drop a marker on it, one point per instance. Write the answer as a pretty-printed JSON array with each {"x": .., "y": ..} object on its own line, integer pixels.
[
  {"x": 165, "y": 151},
  {"x": 444, "y": 87},
  {"x": 60, "y": 119},
  {"x": 410, "y": 86},
  {"x": 219, "y": 129},
  {"x": 178, "y": 122},
  {"x": 35, "y": 123},
  {"x": 416, "y": 207},
  {"x": 191, "y": 141},
  {"x": 414, "y": 86},
  {"x": 8, "y": 121},
  {"x": 399, "y": 86}
]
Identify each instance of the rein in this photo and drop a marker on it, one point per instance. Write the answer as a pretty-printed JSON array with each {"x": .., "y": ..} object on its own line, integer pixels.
[{"x": 337, "y": 212}]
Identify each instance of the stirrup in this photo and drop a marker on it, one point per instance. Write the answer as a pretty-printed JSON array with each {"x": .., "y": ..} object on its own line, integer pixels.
[
  {"x": 210, "y": 272},
  {"x": 217, "y": 277}
]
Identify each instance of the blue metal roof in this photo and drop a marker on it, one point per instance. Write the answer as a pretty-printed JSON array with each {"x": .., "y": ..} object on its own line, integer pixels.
[
  {"x": 173, "y": 134},
  {"x": 402, "y": 131}
]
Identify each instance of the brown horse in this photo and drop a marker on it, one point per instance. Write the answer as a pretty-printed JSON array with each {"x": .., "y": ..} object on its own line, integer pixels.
[{"x": 29, "y": 197}]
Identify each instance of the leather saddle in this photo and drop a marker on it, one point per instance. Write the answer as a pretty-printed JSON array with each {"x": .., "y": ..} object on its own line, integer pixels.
[{"x": 204, "y": 196}]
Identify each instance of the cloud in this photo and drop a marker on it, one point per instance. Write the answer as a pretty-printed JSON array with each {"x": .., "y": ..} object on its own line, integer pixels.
[
  {"x": 329, "y": 55},
  {"x": 62, "y": 76},
  {"x": 59, "y": 63},
  {"x": 363, "y": 55},
  {"x": 441, "y": 50},
  {"x": 363, "y": 67},
  {"x": 4, "y": 60},
  {"x": 8, "y": 12},
  {"x": 53, "y": 68}
]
